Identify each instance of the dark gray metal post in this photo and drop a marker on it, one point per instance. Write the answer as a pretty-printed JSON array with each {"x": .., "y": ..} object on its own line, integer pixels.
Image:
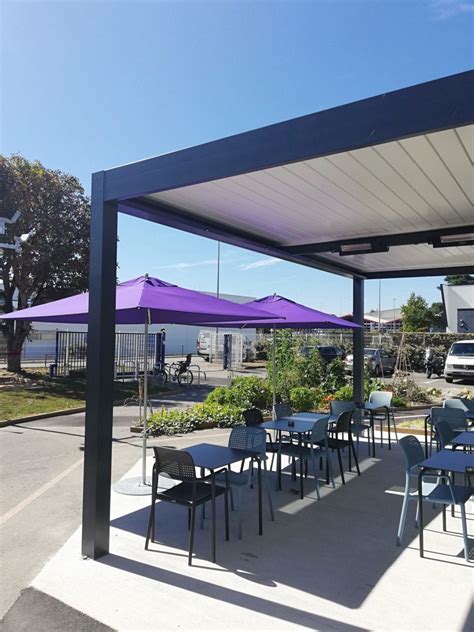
[
  {"x": 358, "y": 338},
  {"x": 100, "y": 374}
]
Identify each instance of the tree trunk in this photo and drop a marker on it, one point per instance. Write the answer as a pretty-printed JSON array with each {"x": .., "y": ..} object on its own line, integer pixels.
[{"x": 16, "y": 335}]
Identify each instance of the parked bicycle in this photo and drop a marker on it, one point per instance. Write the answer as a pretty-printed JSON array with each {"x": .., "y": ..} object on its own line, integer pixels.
[{"x": 174, "y": 372}]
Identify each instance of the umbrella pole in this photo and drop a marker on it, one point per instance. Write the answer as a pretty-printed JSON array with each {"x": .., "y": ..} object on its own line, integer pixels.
[
  {"x": 274, "y": 374},
  {"x": 145, "y": 403}
]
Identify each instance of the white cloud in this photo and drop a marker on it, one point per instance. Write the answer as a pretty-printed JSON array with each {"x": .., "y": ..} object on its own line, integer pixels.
[
  {"x": 182, "y": 265},
  {"x": 445, "y": 9},
  {"x": 260, "y": 263}
]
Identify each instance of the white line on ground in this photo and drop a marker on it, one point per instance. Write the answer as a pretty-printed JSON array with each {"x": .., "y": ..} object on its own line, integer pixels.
[{"x": 24, "y": 503}]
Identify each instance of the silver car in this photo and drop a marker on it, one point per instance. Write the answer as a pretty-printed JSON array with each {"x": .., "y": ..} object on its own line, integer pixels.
[{"x": 378, "y": 362}]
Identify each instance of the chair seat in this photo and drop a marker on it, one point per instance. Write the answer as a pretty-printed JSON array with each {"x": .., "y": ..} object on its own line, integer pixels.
[
  {"x": 292, "y": 449},
  {"x": 444, "y": 494},
  {"x": 333, "y": 444},
  {"x": 235, "y": 479},
  {"x": 272, "y": 447},
  {"x": 182, "y": 494}
]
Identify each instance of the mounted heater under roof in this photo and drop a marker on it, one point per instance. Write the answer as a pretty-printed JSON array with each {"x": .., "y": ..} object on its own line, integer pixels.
[
  {"x": 444, "y": 241},
  {"x": 361, "y": 249}
]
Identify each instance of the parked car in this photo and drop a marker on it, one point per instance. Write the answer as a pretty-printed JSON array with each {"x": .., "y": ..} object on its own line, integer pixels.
[
  {"x": 460, "y": 361},
  {"x": 378, "y": 362},
  {"x": 328, "y": 352}
]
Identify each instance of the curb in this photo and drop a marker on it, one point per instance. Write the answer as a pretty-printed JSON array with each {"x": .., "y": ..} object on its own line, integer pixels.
[{"x": 53, "y": 413}]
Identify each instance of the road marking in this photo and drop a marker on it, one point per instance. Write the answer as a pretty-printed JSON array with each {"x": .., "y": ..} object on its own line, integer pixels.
[{"x": 39, "y": 492}]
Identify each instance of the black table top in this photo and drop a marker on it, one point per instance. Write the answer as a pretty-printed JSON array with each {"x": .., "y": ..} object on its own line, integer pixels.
[
  {"x": 464, "y": 438},
  {"x": 449, "y": 460},
  {"x": 300, "y": 426},
  {"x": 212, "y": 457}
]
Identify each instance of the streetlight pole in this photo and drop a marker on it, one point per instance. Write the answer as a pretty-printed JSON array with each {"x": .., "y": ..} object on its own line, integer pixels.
[{"x": 394, "y": 314}]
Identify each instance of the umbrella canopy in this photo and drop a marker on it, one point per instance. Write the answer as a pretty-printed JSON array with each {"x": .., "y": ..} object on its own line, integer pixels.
[
  {"x": 291, "y": 315},
  {"x": 150, "y": 300}
]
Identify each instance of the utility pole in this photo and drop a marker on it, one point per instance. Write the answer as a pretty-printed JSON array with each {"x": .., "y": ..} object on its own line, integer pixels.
[{"x": 380, "y": 320}]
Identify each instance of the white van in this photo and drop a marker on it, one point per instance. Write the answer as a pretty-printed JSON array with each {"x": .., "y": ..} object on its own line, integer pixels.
[
  {"x": 460, "y": 361},
  {"x": 205, "y": 341}
]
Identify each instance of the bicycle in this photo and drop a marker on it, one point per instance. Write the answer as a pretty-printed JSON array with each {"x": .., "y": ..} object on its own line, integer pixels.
[{"x": 174, "y": 372}]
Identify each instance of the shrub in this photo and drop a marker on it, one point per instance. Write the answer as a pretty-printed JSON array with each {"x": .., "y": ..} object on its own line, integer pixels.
[
  {"x": 199, "y": 416},
  {"x": 303, "y": 398},
  {"x": 249, "y": 392},
  {"x": 220, "y": 395}
]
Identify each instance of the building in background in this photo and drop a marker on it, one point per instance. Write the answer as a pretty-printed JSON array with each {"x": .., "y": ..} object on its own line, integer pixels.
[
  {"x": 458, "y": 301},
  {"x": 390, "y": 319}
]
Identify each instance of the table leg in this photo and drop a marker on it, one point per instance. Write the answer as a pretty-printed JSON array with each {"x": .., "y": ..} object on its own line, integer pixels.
[
  {"x": 388, "y": 427},
  {"x": 279, "y": 461},
  {"x": 372, "y": 423},
  {"x": 260, "y": 522},
  {"x": 300, "y": 448},
  {"x": 426, "y": 437},
  {"x": 213, "y": 504},
  {"x": 420, "y": 510}
]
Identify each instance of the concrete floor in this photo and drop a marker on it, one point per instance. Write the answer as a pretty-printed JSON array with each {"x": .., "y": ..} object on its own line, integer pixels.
[{"x": 327, "y": 565}]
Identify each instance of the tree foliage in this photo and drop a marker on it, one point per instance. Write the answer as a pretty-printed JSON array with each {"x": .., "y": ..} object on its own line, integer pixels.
[
  {"x": 459, "y": 279},
  {"x": 53, "y": 259},
  {"x": 416, "y": 314}
]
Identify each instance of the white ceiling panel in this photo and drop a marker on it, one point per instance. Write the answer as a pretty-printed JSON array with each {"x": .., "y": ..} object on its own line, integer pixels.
[{"x": 420, "y": 183}]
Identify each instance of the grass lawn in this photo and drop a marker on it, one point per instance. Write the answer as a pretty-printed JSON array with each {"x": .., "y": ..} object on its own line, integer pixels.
[
  {"x": 412, "y": 423},
  {"x": 42, "y": 394}
]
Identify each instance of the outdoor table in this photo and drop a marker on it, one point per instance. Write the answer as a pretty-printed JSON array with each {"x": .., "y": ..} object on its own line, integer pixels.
[
  {"x": 300, "y": 428},
  {"x": 465, "y": 439},
  {"x": 445, "y": 461},
  {"x": 209, "y": 456},
  {"x": 469, "y": 415}
]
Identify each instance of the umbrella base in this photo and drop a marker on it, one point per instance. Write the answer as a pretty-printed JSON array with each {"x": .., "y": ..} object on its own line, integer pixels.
[{"x": 135, "y": 487}]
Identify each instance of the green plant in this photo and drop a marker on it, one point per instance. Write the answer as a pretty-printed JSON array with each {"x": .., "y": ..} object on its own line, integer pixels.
[
  {"x": 303, "y": 398},
  {"x": 252, "y": 391},
  {"x": 200, "y": 416},
  {"x": 220, "y": 395}
]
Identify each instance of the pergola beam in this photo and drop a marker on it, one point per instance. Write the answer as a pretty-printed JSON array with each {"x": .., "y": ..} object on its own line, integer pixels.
[{"x": 427, "y": 107}]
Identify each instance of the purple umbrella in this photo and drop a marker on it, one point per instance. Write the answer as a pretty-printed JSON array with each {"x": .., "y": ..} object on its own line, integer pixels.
[
  {"x": 147, "y": 300},
  {"x": 295, "y": 315}
]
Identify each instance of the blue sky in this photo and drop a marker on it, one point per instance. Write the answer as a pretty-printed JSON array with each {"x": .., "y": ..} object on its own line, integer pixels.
[{"x": 89, "y": 85}]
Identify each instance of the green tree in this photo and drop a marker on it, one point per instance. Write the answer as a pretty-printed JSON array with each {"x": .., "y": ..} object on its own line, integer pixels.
[
  {"x": 416, "y": 314},
  {"x": 438, "y": 316},
  {"x": 52, "y": 261},
  {"x": 459, "y": 279}
]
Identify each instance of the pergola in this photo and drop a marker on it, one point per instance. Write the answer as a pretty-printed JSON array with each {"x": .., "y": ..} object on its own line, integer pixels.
[{"x": 378, "y": 188}]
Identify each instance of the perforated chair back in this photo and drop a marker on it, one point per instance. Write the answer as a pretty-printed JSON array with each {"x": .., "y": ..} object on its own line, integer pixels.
[
  {"x": 283, "y": 410},
  {"x": 248, "y": 438},
  {"x": 343, "y": 423},
  {"x": 319, "y": 432},
  {"x": 454, "y": 417},
  {"x": 177, "y": 464},
  {"x": 337, "y": 407},
  {"x": 455, "y": 403},
  {"x": 381, "y": 398},
  {"x": 412, "y": 450},
  {"x": 252, "y": 417},
  {"x": 445, "y": 433}
]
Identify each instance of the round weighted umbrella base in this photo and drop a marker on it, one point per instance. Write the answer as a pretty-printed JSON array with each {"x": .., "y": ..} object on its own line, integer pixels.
[{"x": 135, "y": 487}]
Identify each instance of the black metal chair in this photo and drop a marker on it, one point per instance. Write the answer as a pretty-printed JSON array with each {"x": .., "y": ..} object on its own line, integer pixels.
[
  {"x": 190, "y": 492},
  {"x": 254, "y": 417},
  {"x": 337, "y": 440}
]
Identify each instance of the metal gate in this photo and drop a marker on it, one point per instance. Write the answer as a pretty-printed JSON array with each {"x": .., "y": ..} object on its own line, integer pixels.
[{"x": 71, "y": 352}]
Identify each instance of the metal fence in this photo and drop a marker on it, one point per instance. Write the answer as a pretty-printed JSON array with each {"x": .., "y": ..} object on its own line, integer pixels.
[{"x": 71, "y": 352}]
